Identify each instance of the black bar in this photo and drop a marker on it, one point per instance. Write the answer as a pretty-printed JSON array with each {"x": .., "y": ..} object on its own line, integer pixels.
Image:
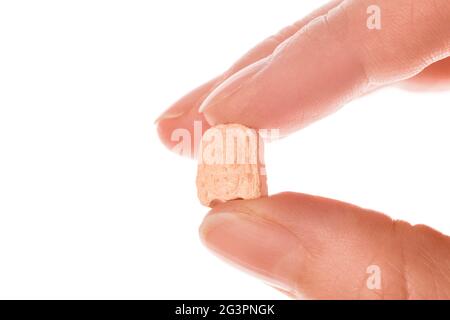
[{"x": 216, "y": 309}]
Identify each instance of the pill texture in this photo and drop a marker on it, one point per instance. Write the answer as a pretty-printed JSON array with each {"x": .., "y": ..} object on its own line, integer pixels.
[{"x": 231, "y": 165}]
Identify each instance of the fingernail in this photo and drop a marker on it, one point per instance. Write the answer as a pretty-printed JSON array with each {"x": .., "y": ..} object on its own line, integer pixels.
[
  {"x": 231, "y": 85},
  {"x": 170, "y": 113},
  {"x": 258, "y": 246}
]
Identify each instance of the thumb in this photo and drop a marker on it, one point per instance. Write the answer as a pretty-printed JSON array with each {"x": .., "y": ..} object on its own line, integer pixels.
[
  {"x": 331, "y": 60},
  {"x": 313, "y": 247}
]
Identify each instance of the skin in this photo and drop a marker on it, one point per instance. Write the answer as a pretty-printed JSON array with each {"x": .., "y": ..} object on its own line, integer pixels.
[{"x": 307, "y": 246}]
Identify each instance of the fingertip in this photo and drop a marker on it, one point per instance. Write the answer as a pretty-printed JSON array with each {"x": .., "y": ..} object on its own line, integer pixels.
[
  {"x": 183, "y": 121},
  {"x": 182, "y": 135},
  {"x": 209, "y": 222},
  {"x": 255, "y": 245},
  {"x": 164, "y": 128}
]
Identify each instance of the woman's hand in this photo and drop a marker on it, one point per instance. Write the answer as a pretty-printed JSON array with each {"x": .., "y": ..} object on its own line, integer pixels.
[{"x": 308, "y": 246}]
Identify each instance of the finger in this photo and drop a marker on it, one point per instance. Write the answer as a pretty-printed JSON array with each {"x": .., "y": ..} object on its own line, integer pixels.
[
  {"x": 332, "y": 60},
  {"x": 267, "y": 46},
  {"x": 319, "y": 248},
  {"x": 184, "y": 112},
  {"x": 182, "y": 115},
  {"x": 434, "y": 77}
]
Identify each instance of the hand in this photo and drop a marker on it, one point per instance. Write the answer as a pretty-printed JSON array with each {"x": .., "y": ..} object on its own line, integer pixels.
[{"x": 309, "y": 246}]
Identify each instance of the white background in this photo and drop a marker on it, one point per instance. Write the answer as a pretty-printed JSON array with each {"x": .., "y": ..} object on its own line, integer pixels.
[{"x": 93, "y": 206}]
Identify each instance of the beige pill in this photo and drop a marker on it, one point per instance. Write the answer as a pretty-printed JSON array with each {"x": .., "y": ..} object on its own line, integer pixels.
[{"x": 231, "y": 165}]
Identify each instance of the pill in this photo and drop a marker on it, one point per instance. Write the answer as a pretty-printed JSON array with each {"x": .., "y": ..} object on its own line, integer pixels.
[{"x": 230, "y": 165}]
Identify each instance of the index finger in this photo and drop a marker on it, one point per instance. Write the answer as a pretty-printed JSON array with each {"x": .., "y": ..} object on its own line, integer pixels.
[{"x": 183, "y": 113}]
